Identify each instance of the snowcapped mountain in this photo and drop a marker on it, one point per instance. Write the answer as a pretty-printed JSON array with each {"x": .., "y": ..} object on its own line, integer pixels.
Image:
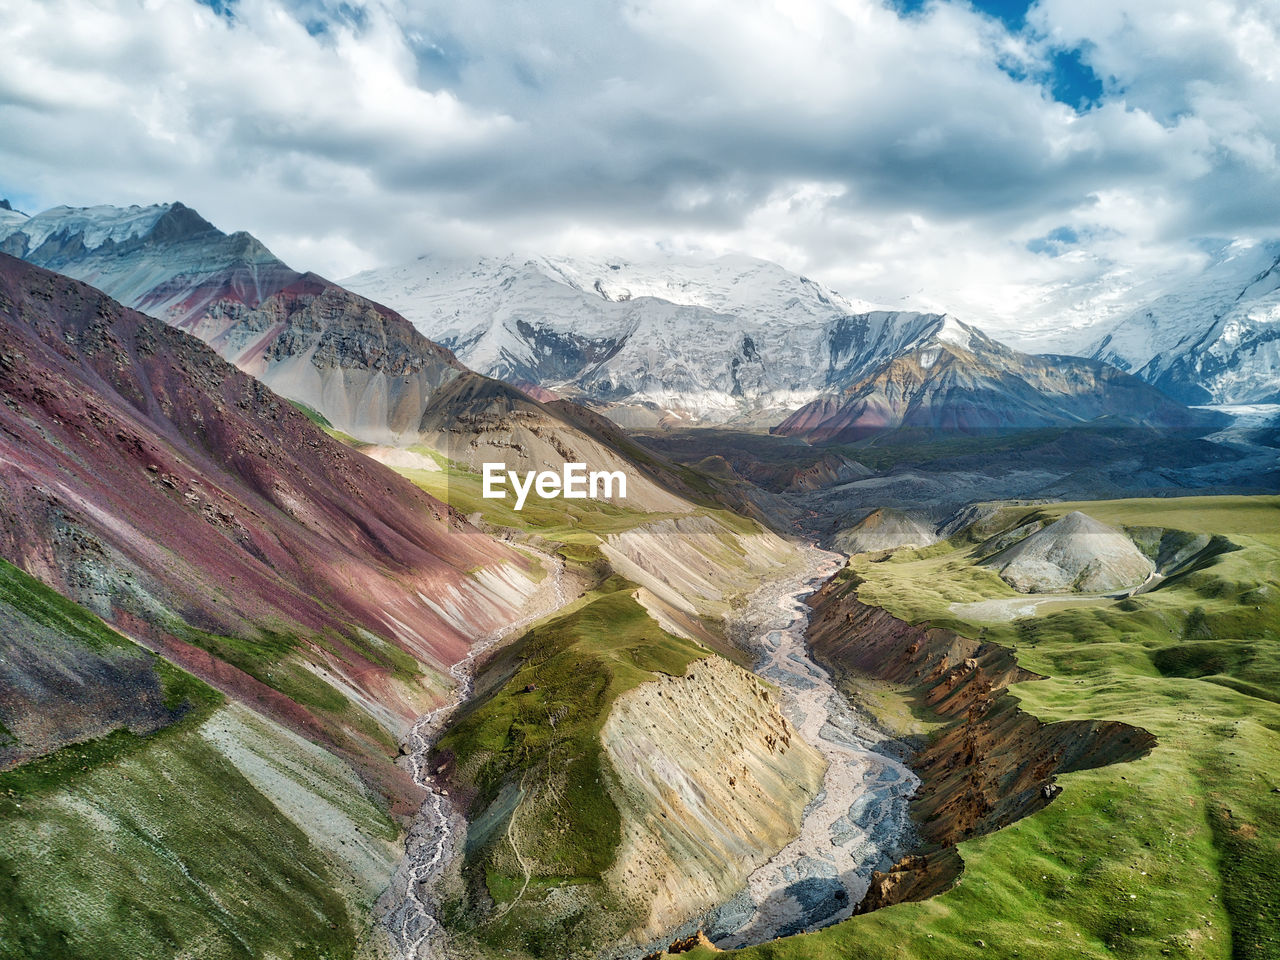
[
  {"x": 732, "y": 339},
  {"x": 10, "y": 219},
  {"x": 741, "y": 341},
  {"x": 94, "y": 226},
  {"x": 366, "y": 369},
  {"x": 1212, "y": 338}
]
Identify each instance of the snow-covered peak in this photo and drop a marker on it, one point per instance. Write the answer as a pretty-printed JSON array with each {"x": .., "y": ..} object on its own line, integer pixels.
[
  {"x": 11, "y": 221},
  {"x": 97, "y": 225},
  {"x": 1211, "y": 336},
  {"x": 1185, "y": 311},
  {"x": 725, "y": 339},
  {"x": 952, "y": 331},
  {"x": 732, "y": 283}
]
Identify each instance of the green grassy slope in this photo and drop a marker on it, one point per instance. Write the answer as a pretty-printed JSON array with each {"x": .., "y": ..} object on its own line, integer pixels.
[
  {"x": 528, "y": 755},
  {"x": 1174, "y": 855},
  {"x": 157, "y": 845}
]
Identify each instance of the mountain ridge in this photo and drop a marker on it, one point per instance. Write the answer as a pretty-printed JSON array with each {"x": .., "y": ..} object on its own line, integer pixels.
[
  {"x": 197, "y": 512},
  {"x": 357, "y": 362},
  {"x": 1213, "y": 338},
  {"x": 743, "y": 343}
]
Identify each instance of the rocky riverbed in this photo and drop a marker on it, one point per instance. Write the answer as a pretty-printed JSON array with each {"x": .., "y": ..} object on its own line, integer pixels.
[
  {"x": 858, "y": 823},
  {"x": 408, "y": 907}
]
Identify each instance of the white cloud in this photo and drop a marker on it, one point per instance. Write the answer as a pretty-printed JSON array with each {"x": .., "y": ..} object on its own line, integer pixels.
[{"x": 898, "y": 158}]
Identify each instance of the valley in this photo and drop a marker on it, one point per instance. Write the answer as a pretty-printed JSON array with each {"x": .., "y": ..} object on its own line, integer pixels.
[
  {"x": 858, "y": 823},
  {"x": 640, "y": 481},
  {"x": 1160, "y": 855},
  {"x": 923, "y": 653}
]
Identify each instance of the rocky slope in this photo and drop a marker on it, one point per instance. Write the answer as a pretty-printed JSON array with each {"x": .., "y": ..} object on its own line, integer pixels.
[
  {"x": 692, "y": 569},
  {"x": 885, "y": 529},
  {"x": 190, "y": 506},
  {"x": 1074, "y": 553},
  {"x": 361, "y": 365},
  {"x": 711, "y": 780},
  {"x": 954, "y": 378},
  {"x": 990, "y": 765},
  {"x": 66, "y": 678},
  {"x": 617, "y": 779}
]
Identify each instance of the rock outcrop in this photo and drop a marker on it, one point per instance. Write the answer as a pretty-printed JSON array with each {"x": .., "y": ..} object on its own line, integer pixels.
[
  {"x": 691, "y": 568},
  {"x": 711, "y": 781},
  {"x": 885, "y": 529},
  {"x": 992, "y": 765},
  {"x": 1075, "y": 553}
]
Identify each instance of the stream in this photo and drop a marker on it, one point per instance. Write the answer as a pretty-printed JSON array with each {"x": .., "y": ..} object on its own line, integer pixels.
[
  {"x": 429, "y": 846},
  {"x": 858, "y": 822}
]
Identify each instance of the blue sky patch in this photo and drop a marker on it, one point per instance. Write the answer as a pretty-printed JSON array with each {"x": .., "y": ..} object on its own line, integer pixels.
[
  {"x": 1073, "y": 82},
  {"x": 223, "y": 8},
  {"x": 1013, "y": 13},
  {"x": 1069, "y": 80},
  {"x": 1055, "y": 242}
]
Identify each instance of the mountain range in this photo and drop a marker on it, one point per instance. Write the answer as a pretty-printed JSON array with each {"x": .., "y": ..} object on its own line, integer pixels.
[
  {"x": 743, "y": 342},
  {"x": 1214, "y": 337},
  {"x": 364, "y": 367},
  {"x": 665, "y": 342}
]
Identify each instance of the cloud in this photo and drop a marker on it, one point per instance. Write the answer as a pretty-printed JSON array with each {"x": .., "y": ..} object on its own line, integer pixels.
[{"x": 922, "y": 157}]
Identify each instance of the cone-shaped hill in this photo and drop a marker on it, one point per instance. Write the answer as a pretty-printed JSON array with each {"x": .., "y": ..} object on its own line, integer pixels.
[{"x": 1075, "y": 553}]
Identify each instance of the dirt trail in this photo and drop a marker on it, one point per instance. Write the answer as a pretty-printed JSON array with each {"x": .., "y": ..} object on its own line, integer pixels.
[
  {"x": 430, "y": 845},
  {"x": 858, "y": 823},
  {"x": 1028, "y": 605}
]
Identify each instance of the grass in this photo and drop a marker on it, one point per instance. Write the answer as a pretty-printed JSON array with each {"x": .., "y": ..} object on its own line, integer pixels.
[
  {"x": 315, "y": 416},
  {"x": 275, "y": 657},
  {"x": 158, "y": 850},
  {"x": 1174, "y": 855},
  {"x": 49, "y": 608},
  {"x": 23, "y": 596},
  {"x": 528, "y": 750},
  {"x": 152, "y": 846}
]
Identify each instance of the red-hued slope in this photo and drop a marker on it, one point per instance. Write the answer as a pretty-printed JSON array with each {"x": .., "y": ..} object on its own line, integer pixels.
[{"x": 151, "y": 481}]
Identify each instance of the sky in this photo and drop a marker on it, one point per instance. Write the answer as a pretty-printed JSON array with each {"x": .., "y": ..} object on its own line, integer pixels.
[{"x": 1032, "y": 167}]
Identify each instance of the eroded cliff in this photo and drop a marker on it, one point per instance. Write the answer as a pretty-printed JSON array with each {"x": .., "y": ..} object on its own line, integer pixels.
[
  {"x": 991, "y": 764},
  {"x": 711, "y": 780}
]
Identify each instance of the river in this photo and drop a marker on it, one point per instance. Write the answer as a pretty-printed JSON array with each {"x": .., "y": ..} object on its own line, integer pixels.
[
  {"x": 429, "y": 847},
  {"x": 858, "y": 823}
]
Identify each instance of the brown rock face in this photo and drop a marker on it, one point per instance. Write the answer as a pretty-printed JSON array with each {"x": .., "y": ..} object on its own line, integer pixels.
[
  {"x": 685, "y": 944},
  {"x": 981, "y": 385},
  {"x": 992, "y": 765},
  {"x": 914, "y": 877}
]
